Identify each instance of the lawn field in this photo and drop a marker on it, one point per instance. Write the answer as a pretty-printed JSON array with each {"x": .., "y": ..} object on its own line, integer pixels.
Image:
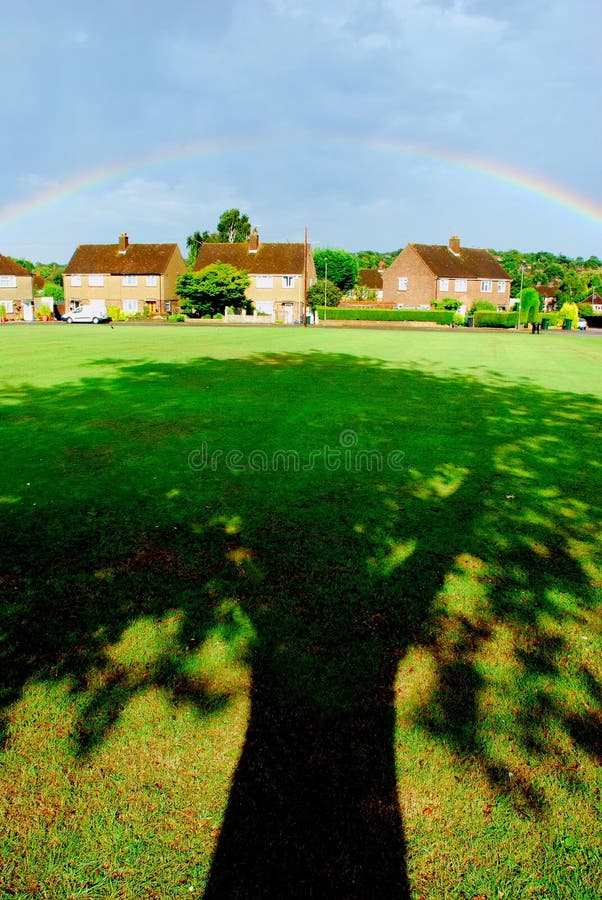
[{"x": 299, "y": 613}]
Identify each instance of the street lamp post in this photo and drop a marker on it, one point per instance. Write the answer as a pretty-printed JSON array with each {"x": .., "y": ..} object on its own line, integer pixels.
[
  {"x": 520, "y": 298},
  {"x": 325, "y": 283}
]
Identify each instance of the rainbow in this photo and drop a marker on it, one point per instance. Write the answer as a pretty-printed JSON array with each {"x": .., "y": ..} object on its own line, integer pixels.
[{"x": 484, "y": 168}]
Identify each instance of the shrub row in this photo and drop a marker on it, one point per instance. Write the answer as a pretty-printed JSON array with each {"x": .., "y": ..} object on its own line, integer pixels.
[
  {"x": 443, "y": 317},
  {"x": 487, "y": 319}
]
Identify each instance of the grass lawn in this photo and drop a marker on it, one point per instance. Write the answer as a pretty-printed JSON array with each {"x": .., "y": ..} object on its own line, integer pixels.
[{"x": 299, "y": 613}]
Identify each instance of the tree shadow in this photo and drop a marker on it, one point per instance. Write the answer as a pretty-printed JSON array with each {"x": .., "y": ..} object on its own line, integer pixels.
[{"x": 335, "y": 528}]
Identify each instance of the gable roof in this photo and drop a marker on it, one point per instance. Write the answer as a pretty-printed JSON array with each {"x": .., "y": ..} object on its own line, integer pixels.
[
  {"x": 269, "y": 259},
  {"x": 106, "y": 259},
  {"x": 371, "y": 278},
  {"x": 9, "y": 267},
  {"x": 469, "y": 263}
]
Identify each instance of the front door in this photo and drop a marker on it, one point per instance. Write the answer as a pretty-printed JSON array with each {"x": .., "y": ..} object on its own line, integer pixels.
[{"x": 28, "y": 310}]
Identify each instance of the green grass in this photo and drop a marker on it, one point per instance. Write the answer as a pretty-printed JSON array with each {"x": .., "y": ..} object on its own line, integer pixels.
[{"x": 299, "y": 612}]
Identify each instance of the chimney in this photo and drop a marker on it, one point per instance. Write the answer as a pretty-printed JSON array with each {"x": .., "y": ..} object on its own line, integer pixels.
[
  {"x": 454, "y": 245},
  {"x": 123, "y": 242},
  {"x": 254, "y": 241},
  {"x": 382, "y": 266}
]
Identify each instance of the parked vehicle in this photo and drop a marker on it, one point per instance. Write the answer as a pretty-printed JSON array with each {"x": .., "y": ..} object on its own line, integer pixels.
[
  {"x": 90, "y": 314},
  {"x": 582, "y": 324}
]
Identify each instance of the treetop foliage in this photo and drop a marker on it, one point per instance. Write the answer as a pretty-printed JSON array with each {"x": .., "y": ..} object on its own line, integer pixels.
[
  {"x": 339, "y": 266},
  {"x": 233, "y": 227}
]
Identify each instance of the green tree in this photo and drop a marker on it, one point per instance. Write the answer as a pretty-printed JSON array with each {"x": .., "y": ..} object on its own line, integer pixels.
[
  {"x": 26, "y": 264},
  {"x": 371, "y": 259},
  {"x": 323, "y": 289},
  {"x": 340, "y": 266},
  {"x": 233, "y": 228},
  {"x": 53, "y": 290},
  {"x": 212, "y": 289},
  {"x": 193, "y": 244}
]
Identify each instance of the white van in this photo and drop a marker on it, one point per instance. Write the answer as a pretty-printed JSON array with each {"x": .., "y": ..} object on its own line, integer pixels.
[{"x": 91, "y": 313}]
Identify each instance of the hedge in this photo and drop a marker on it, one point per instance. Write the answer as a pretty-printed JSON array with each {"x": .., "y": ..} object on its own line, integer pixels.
[
  {"x": 495, "y": 320},
  {"x": 443, "y": 317}
]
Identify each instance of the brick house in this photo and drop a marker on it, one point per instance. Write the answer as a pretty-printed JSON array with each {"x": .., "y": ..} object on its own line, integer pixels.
[
  {"x": 281, "y": 274},
  {"x": 423, "y": 273},
  {"x": 16, "y": 290},
  {"x": 136, "y": 278}
]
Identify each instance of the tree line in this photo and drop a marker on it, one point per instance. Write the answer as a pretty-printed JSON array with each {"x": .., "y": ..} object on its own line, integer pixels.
[{"x": 573, "y": 280}]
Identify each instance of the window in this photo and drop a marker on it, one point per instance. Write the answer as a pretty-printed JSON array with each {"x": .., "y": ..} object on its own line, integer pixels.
[
  {"x": 486, "y": 286},
  {"x": 288, "y": 281},
  {"x": 130, "y": 306},
  {"x": 130, "y": 281},
  {"x": 151, "y": 281},
  {"x": 461, "y": 285},
  {"x": 8, "y": 306},
  {"x": 501, "y": 287},
  {"x": 444, "y": 284},
  {"x": 402, "y": 284},
  {"x": 76, "y": 281},
  {"x": 8, "y": 281},
  {"x": 264, "y": 281},
  {"x": 96, "y": 280}
]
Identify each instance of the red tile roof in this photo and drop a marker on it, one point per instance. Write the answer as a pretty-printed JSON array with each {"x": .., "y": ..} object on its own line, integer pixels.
[
  {"x": 371, "y": 278},
  {"x": 270, "y": 259},
  {"x": 106, "y": 259},
  {"x": 469, "y": 263},
  {"x": 9, "y": 267}
]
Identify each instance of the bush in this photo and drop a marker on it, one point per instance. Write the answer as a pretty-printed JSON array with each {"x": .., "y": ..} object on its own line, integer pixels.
[
  {"x": 482, "y": 306},
  {"x": 115, "y": 313},
  {"x": 486, "y": 319},
  {"x": 569, "y": 311},
  {"x": 443, "y": 317},
  {"x": 459, "y": 319},
  {"x": 176, "y": 317},
  {"x": 218, "y": 316},
  {"x": 448, "y": 303},
  {"x": 321, "y": 290}
]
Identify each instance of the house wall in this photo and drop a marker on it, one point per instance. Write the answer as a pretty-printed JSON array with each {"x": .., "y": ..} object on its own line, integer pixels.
[
  {"x": 16, "y": 295},
  {"x": 474, "y": 292},
  {"x": 421, "y": 281},
  {"x": 274, "y": 299}
]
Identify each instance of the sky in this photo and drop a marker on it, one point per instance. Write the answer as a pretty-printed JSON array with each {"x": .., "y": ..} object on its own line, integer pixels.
[{"x": 372, "y": 122}]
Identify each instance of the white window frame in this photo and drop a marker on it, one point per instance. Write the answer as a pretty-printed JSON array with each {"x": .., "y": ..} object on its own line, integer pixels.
[
  {"x": 501, "y": 287},
  {"x": 460, "y": 285},
  {"x": 264, "y": 281},
  {"x": 486, "y": 285},
  {"x": 288, "y": 281},
  {"x": 151, "y": 280},
  {"x": 444, "y": 284},
  {"x": 8, "y": 281},
  {"x": 129, "y": 305},
  {"x": 129, "y": 280},
  {"x": 96, "y": 280},
  {"x": 402, "y": 284},
  {"x": 8, "y": 306},
  {"x": 76, "y": 281}
]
